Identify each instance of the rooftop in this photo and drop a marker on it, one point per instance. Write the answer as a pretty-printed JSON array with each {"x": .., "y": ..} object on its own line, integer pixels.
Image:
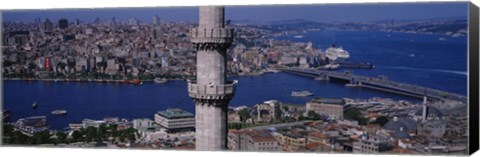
[
  {"x": 175, "y": 113},
  {"x": 317, "y": 135},
  {"x": 261, "y": 136}
]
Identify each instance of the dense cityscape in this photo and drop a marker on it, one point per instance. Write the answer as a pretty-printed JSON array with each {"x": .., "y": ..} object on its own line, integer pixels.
[
  {"x": 113, "y": 51},
  {"x": 118, "y": 50}
]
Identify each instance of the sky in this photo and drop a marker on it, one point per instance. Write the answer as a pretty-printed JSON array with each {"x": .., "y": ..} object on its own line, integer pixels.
[{"x": 262, "y": 13}]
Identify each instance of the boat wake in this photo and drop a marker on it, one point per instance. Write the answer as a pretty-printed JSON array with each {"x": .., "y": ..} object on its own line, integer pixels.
[{"x": 430, "y": 70}]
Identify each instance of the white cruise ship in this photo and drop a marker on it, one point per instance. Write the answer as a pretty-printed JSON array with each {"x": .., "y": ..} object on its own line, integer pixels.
[{"x": 334, "y": 53}]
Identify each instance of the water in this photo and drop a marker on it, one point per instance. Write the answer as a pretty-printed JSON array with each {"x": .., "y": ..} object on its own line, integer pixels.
[{"x": 438, "y": 64}]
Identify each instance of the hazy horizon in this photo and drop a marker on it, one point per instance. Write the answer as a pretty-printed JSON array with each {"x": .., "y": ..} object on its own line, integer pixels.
[{"x": 263, "y": 13}]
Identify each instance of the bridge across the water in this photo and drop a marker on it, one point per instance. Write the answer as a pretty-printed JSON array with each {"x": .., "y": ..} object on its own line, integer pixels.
[{"x": 380, "y": 83}]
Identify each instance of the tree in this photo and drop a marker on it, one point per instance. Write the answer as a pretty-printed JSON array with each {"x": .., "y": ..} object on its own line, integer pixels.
[
  {"x": 61, "y": 65},
  {"x": 312, "y": 115},
  {"x": 355, "y": 114},
  {"x": 42, "y": 137},
  {"x": 61, "y": 137},
  {"x": 244, "y": 114},
  {"x": 236, "y": 126},
  {"x": 121, "y": 138},
  {"x": 362, "y": 120},
  {"x": 352, "y": 113},
  {"x": 31, "y": 66},
  {"x": 91, "y": 133},
  {"x": 77, "y": 135},
  {"x": 382, "y": 120},
  {"x": 102, "y": 132}
]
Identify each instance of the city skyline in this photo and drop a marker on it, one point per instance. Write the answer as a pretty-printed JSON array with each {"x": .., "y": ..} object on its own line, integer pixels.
[
  {"x": 296, "y": 85},
  {"x": 265, "y": 13}
]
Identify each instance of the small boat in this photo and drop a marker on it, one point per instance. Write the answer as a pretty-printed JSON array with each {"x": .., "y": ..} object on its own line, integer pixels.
[
  {"x": 299, "y": 36},
  {"x": 59, "y": 112},
  {"x": 301, "y": 93},
  {"x": 135, "y": 82},
  {"x": 34, "y": 105},
  {"x": 412, "y": 55},
  {"x": 160, "y": 80},
  {"x": 333, "y": 66}
]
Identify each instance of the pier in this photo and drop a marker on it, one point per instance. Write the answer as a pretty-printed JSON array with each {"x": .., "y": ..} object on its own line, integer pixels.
[{"x": 377, "y": 83}]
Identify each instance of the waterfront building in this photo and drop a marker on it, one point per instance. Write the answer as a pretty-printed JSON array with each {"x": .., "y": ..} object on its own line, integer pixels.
[
  {"x": 112, "y": 67},
  {"x": 124, "y": 124},
  {"x": 74, "y": 126},
  {"x": 304, "y": 62},
  {"x": 146, "y": 127},
  {"x": 268, "y": 111},
  {"x": 141, "y": 123},
  {"x": 175, "y": 119},
  {"x": 333, "y": 108},
  {"x": 111, "y": 120},
  {"x": 62, "y": 23},
  {"x": 92, "y": 123},
  {"x": 211, "y": 91},
  {"x": 252, "y": 140}
]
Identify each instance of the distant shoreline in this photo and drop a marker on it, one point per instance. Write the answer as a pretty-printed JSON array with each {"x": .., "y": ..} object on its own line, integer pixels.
[
  {"x": 78, "y": 80},
  {"x": 116, "y": 81}
]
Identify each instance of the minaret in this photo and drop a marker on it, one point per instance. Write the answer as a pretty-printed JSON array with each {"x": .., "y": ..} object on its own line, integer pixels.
[
  {"x": 211, "y": 91},
  {"x": 424, "y": 109}
]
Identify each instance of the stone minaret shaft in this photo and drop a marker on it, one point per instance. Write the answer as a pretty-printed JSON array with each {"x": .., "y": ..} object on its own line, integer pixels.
[{"x": 211, "y": 91}]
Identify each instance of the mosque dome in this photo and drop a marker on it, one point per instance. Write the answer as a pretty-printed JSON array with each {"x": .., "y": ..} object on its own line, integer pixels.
[
  {"x": 400, "y": 123},
  {"x": 431, "y": 112},
  {"x": 394, "y": 125}
]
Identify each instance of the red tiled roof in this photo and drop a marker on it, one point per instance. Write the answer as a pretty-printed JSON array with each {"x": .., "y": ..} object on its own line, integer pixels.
[
  {"x": 317, "y": 135},
  {"x": 312, "y": 146},
  {"x": 398, "y": 150},
  {"x": 260, "y": 136}
]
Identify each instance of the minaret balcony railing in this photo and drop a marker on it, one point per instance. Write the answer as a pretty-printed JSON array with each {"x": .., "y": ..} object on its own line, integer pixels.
[
  {"x": 213, "y": 91},
  {"x": 211, "y": 35}
]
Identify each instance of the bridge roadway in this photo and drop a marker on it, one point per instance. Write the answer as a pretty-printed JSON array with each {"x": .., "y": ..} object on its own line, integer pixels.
[{"x": 380, "y": 83}]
